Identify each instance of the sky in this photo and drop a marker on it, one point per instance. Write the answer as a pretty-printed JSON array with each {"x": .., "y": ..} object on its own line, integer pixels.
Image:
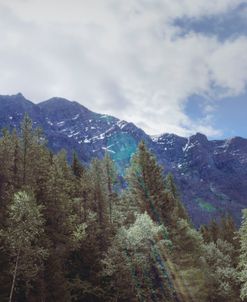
[{"x": 177, "y": 66}]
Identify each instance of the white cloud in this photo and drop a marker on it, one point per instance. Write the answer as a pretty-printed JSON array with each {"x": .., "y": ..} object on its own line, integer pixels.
[{"x": 123, "y": 58}]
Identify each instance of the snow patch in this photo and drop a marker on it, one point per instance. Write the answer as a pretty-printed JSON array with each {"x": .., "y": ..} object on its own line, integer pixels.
[
  {"x": 155, "y": 138},
  {"x": 189, "y": 146},
  {"x": 75, "y": 117},
  {"x": 121, "y": 124},
  {"x": 108, "y": 150}
]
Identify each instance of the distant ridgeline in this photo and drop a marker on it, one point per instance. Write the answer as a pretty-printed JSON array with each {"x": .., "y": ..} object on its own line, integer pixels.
[{"x": 211, "y": 175}]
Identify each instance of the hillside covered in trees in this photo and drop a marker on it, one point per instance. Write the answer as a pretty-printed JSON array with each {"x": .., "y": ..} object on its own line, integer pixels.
[
  {"x": 78, "y": 233},
  {"x": 211, "y": 174}
]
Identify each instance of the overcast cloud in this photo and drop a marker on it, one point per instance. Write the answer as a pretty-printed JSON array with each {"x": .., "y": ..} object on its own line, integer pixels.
[{"x": 122, "y": 57}]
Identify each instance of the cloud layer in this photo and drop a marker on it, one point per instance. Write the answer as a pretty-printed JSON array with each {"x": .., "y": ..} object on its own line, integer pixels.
[{"x": 125, "y": 58}]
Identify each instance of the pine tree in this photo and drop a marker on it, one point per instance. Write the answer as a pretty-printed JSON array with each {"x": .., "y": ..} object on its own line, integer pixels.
[
  {"x": 174, "y": 196},
  {"x": 76, "y": 166},
  {"x": 16, "y": 160},
  {"x": 26, "y": 140},
  {"x": 6, "y": 173},
  {"x": 70, "y": 234},
  {"x": 205, "y": 233},
  {"x": 100, "y": 193},
  {"x": 34, "y": 164},
  {"x": 214, "y": 230},
  {"x": 146, "y": 184},
  {"x": 228, "y": 230},
  {"x": 62, "y": 228},
  {"x": 110, "y": 174}
]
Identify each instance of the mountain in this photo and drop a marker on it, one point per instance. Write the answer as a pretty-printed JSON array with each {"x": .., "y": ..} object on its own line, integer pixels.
[{"x": 211, "y": 175}]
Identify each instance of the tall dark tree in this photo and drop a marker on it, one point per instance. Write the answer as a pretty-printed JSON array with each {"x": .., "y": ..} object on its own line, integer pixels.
[
  {"x": 76, "y": 166},
  {"x": 110, "y": 175},
  {"x": 146, "y": 183}
]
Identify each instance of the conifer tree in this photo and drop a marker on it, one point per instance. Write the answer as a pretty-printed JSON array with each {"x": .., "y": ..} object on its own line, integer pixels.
[
  {"x": 100, "y": 195},
  {"x": 228, "y": 230},
  {"x": 70, "y": 234},
  {"x": 34, "y": 156},
  {"x": 62, "y": 228},
  {"x": 205, "y": 233},
  {"x": 110, "y": 174},
  {"x": 26, "y": 140},
  {"x": 146, "y": 184},
  {"x": 7, "y": 179},
  {"x": 76, "y": 166},
  {"x": 214, "y": 230},
  {"x": 16, "y": 160},
  {"x": 172, "y": 194}
]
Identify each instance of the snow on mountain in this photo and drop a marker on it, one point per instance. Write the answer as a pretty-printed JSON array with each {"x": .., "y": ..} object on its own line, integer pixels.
[{"x": 211, "y": 175}]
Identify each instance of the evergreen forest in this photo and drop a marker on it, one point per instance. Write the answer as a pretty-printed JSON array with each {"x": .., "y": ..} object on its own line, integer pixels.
[{"x": 81, "y": 233}]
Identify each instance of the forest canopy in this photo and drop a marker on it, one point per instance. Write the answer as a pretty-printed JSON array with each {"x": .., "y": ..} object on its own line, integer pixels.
[{"x": 71, "y": 232}]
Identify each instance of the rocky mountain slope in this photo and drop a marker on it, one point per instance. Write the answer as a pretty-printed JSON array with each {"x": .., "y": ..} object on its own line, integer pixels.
[{"x": 211, "y": 175}]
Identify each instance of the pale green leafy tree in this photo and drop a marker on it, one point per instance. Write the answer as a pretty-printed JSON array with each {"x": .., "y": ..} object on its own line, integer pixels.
[
  {"x": 222, "y": 275},
  {"x": 25, "y": 226},
  {"x": 136, "y": 259},
  {"x": 243, "y": 256}
]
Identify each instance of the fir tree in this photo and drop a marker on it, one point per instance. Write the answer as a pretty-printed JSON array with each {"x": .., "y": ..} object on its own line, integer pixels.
[
  {"x": 110, "y": 175},
  {"x": 146, "y": 184},
  {"x": 76, "y": 166}
]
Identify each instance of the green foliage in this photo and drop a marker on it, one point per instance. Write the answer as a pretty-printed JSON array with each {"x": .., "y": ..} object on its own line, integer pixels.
[
  {"x": 77, "y": 167},
  {"x": 137, "y": 254},
  {"x": 243, "y": 256},
  {"x": 25, "y": 227},
  {"x": 147, "y": 186},
  {"x": 70, "y": 233},
  {"x": 222, "y": 274}
]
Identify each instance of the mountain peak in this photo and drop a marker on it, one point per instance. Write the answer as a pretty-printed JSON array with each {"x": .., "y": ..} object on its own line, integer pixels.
[
  {"x": 11, "y": 97},
  {"x": 61, "y": 103},
  {"x": 16, "y": 101},
  {"x": 20, "y": 95},
  {"x": 56, "y": 101},
  {"x": 209, "y": 173},
  {"x": 61, "y": 108},
  {"x": 199, "y": 137}
]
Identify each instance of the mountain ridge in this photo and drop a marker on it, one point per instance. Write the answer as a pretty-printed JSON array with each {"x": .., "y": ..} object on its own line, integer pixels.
[{"x": 210, "y": 173}]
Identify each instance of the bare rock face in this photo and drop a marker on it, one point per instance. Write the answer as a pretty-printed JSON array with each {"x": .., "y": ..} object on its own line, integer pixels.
[{"x": 211, "y": 175}]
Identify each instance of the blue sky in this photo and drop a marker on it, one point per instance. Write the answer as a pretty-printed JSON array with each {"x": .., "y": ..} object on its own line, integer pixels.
[
  {"x": 228, "y": 25},
  {"x": 175, "y": 66},
  {"x": 228, "y": 113}
]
